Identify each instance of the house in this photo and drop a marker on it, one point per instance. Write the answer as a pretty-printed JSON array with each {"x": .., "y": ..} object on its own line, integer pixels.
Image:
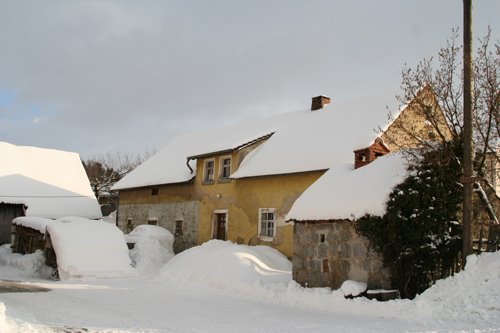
[
  {"x": 238, "y": 183},
  {"x": 42, "y": 182}
]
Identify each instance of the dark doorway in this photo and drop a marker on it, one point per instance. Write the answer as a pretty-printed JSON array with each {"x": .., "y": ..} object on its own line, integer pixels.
[{"x": 220, "y": 226}]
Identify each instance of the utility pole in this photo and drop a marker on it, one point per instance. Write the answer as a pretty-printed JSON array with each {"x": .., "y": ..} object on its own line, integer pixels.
[{"x": 468, "y": 179}]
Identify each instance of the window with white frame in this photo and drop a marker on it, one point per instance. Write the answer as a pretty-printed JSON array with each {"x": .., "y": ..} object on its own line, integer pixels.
[
  {"x": 208, "y": 173},
  {"x": 225, "y": 167},
  {"x": 267, "y": 223}
]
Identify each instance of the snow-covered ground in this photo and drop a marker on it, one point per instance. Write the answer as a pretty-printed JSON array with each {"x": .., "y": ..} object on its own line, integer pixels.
[{"x": 223, "y": 287}]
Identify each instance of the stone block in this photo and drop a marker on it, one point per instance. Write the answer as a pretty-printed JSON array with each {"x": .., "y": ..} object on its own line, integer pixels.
[
  {"x": 322, "y": 250},
  {"x": 345, "y": 250},
  {"x": 359, "y": 250}
]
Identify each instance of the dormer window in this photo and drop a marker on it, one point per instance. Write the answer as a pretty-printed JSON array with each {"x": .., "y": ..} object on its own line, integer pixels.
[
  {"x": 208, "y": 170},
  {"x": 225, "y": 168}
]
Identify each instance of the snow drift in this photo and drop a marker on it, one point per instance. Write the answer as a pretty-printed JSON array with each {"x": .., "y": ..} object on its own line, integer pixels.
[
  {"x": 472, "y": 293},
  {"x": 153, "y": 247},
  {"x": 219, "y": 263},
  {"x": 15, "y": 265}
]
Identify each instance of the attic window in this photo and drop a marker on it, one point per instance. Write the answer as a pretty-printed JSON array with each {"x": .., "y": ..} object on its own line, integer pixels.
[
  {"x": 208, "y": 172},
  {"x": 225, "y": 168}
]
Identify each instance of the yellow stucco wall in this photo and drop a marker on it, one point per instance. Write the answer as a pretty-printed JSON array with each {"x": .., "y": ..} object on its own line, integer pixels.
[{"x": 242, "y": 199}]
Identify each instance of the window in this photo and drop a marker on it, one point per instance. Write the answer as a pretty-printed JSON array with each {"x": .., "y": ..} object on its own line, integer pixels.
[
  {"x": 153, "y": 221},
  {"x": 322, "y": 238},
  {"x": 208, "y": 174},
  {"x": 154, "y": 191},
  {"x": 225, "y": 168},
  {"x": 178, "y": 227},
  {"x": 130, "y": 225},
  {"x": 267, "y": 225}
]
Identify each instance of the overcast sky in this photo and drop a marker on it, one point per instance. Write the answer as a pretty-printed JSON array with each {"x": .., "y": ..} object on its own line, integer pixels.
[{"x": 97, "y": 76}]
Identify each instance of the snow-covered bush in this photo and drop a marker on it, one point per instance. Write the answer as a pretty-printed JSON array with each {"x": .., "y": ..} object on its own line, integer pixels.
[
  {"x": 419, "y": 236},
  {"x": 153, "y": 247}
]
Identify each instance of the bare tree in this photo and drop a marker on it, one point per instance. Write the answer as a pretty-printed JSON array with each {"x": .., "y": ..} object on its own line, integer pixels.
[
  {"x": 436, "y": 89},
  {"x": 104, "y": 170},
  {"x": 445, "y": 104}
]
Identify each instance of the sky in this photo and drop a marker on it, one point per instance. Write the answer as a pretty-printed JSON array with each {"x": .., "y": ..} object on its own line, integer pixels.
[{"x": 128, "y": 76}]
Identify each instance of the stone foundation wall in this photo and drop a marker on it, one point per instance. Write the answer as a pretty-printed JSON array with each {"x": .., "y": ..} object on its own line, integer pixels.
[
  {"x": 166, "y": 215},
  {"x": 328, "y": 253}
]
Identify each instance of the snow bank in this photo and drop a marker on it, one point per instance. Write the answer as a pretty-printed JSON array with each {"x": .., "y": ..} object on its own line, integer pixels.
[
  {"x": 153, "y": 247},
  {"x": 223, "y": 264},
  {"x": 12, "y": 325},
  {"x": 87, "y": 248},
  {"x": 15, "y": 265},
  {"x": 472, "y": 293}
]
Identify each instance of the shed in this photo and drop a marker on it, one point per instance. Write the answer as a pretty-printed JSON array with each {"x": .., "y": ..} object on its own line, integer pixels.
[
  {"x": 8, "y": 212},
  {"x": 42, "y": 182},
  {"x": 327, "y": 248}
]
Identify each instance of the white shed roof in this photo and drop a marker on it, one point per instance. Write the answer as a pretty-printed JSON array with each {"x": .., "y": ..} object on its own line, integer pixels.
[
  {"x": 52, "y": 183},
  {"x": 342, "y": 193}
]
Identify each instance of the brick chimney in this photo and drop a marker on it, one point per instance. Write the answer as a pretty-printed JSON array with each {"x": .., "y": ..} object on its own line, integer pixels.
[{"x": 319, "y": 102}]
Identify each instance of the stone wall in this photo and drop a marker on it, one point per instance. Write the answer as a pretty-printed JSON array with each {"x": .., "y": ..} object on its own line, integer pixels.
[
  {"x": 165, "y": 215},
  {"x": 328, "y": 253}
]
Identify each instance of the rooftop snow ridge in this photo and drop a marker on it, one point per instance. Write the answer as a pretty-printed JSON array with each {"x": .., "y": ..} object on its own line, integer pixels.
[{"x": 298, "y": 141}]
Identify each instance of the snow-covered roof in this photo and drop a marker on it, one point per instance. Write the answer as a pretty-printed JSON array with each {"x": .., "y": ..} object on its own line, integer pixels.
[
  {"x": 33, "y": 222},
  {"x": 88, "y": 248},
  {"x": 301, "y": 141},
  {"x": 52, "y": 183},
  {"x": 342, "y": 193}
]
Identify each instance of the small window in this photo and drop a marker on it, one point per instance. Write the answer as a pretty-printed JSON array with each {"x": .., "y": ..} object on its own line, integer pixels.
[
  {"x": 178, "y": 227},
  {"x": 225, "y": 168},
  {"x": 322, "y": 238},
  {"x": 130, "y": 225},
  {"x": 208, "y": 174},
  {"x": 154, "y": 191},
  {"x": 153, "y": 222},
  {"x": 267, "y": 225}
]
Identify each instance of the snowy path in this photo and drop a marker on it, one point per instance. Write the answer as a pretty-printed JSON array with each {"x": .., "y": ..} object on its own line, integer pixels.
[
  {"x": 223, "y": 287},
  {"x": 136, "y": 305}
]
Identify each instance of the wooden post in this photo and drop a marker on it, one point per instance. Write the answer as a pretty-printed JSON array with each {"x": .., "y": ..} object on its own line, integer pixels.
[{"x": 468, "y": 145}]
